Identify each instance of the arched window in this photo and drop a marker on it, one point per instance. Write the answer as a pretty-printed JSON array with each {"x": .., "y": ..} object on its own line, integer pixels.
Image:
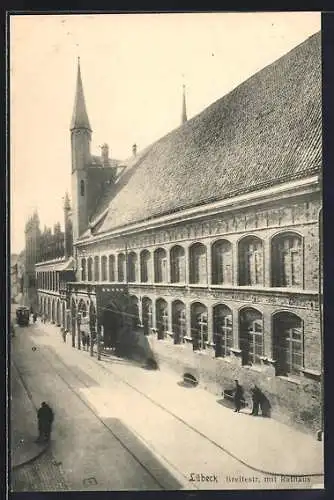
[
  {"x": 96, "y": 268},
  {"x": 287, "y": 265},
  {"x": 104, "y": 275},
  {"x": 251, "y": 261},
  {"x": 132, "y": 258},
  {"x": 160, "y": 266},
  {"x": 198, "y": 264},
  {"x": 161, "y": 318},
  {"x": 82, "y": 188},
  {"x": 222, "y": 328},
  {"x": 251, "y": 336},
  {"x": 90, "y": 269},
  {"x": 145, "y": 266},
  {"x": 199, "y": 325},
  {"x": 222, "y": 262},
  {"x": 288, "y": 343},
  {"x": 83, "y": 270},
  {"x": 177, "y": 261},
  {"x": 121, "y": 267},
  {"x": 179, "y": 321},
  {"x": 112, "y": 268}
]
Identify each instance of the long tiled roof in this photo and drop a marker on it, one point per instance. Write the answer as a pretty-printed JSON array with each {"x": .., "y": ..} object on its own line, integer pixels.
[{"x": 265, "y": 131}]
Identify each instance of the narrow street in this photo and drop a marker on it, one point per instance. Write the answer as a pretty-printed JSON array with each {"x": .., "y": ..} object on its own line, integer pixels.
[{"x": 109, "y": 433}]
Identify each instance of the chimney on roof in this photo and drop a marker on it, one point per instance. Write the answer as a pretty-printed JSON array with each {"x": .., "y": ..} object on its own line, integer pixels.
[
  {"x": 134, "y": 150},
  {"x": 105, "y": 154}
]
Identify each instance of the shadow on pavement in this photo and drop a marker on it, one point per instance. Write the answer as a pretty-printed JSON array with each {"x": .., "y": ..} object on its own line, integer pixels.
[
  {"x": 187, "y": 385},
  {"x": 165, "y": 479}
]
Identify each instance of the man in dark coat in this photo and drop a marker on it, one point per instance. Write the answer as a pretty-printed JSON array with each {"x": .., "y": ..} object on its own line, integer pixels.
[
  {"x": 238, "y": 396},
  {"x": 45, "y": 418},
  {"x": 256, "y": 399}
]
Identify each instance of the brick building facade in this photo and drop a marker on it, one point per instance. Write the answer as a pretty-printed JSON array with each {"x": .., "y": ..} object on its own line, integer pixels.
[{"x": 215, "y": 232}]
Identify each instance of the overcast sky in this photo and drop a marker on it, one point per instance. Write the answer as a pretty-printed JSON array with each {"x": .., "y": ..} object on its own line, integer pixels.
[{"x": 133, "y": 67}]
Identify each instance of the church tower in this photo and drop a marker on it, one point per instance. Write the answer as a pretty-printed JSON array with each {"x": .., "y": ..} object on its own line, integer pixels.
[{"x": 81, "y": 133}]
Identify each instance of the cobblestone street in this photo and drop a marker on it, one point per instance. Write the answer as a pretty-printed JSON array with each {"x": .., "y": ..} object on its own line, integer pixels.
[
  {"x": 121, "y": 427},
  {"x": 44, "y": 474}
]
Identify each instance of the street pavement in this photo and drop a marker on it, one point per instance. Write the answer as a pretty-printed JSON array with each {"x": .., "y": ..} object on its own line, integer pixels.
[
  {"x": 119, "y": 426},
  {"x": 23, "y": 431}
]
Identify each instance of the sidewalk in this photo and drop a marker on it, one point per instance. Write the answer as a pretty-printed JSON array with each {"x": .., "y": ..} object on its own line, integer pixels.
[
  {"x": 23, "y": 425},
  {"x": 263, "y": 444}
]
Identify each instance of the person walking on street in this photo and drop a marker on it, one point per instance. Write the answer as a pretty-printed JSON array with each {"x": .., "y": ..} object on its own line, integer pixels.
[
  {"x": 238, "y": 396},
  {"x": 34, "y": 317},
  {"x": 45, "y": 417},
  {"x": 256, "y": 399}
]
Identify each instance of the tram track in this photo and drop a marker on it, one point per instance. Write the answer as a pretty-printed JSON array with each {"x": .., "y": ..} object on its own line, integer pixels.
[
  {"x": 97, "y": 416},
  {"x": 110, "y": 373},
  {"x": 189, "y": 426}
]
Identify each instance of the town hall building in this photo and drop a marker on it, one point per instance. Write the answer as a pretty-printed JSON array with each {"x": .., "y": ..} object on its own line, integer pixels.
[{"x": 214, "y": 232}]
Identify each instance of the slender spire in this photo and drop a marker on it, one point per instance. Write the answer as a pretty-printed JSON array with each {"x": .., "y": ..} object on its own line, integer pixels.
[
  {"x": 184, "y": 108},
  {"x": 66, "y": 199},
  {"x": 80, "y": 116}
]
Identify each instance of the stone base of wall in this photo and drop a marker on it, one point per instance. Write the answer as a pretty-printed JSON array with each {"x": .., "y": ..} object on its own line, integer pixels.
[{"x": 295, "y": 402}]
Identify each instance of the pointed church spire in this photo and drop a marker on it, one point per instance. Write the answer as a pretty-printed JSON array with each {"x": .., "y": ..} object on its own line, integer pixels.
[
  {"x": 184, "y": 108},
  {"x": 80, "y": 116},
  {"x": 67, "y": 205}
]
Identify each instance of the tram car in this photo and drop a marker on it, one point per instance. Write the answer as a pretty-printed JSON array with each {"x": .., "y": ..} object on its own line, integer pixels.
[{"x": 22, "y": 316}]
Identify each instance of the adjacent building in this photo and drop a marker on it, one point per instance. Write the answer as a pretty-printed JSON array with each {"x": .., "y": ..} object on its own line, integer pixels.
[{"x": 214, "y": 232}]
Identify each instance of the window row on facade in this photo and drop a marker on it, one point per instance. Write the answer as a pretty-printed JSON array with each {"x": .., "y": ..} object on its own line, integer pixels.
[
  {"x": 214, "y": 326},
  {"x": 220, "y": 263},
  {"x": 50, "y": 280}
]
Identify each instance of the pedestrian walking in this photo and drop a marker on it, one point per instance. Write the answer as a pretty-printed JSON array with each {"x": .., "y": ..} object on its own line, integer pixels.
[
  {"x": 256, "y": 400},
  {"x": 45, "y": 417},
  {"x": 238, "y": 396},
  {"x": 34, "y": 317},
  {"x": 64, "y": 335}
]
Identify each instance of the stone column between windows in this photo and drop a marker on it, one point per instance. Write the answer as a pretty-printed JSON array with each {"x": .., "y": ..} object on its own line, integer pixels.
[
  {"x": 168, "y": 271},
  {"x": 140, "y": 309},
  {"x": 267, "y": 336},
  {"x": 126, "y": 267},
  {"x": 235, "y": 263},
  {"x": 235, "y": 328},
  {"x": 100, "y": 266},
  {"x": 210, "y": 324},
  {"x": 266, "y": 263},
  {"x": 186, "y": 269},
  {"x": 188, "y": 319},
  {"x": 152, "y": 280},
  {"x": 170, "y": 316},
  {"x": 154, "y": 313},
  {"x": 209, "y": 263}
]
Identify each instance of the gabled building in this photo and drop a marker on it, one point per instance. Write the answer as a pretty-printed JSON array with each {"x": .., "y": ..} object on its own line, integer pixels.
[{"x": 214, "y": 232}]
